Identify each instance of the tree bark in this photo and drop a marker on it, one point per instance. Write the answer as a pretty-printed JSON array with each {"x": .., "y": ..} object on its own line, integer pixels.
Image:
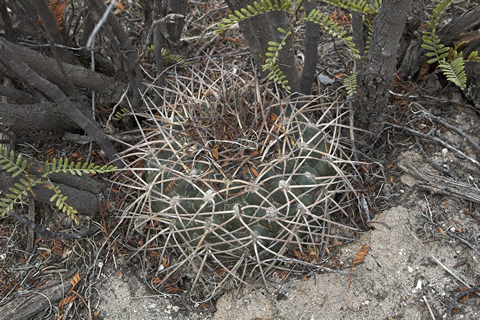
[
  {"x": 7, "y": 22},
  {"x": 262, "y": 29},
  {"x": 247, "y": 31},
  {"x": 122, "y": 47},
  {"x": 110, "y": 88},
  {"x": 22, "y": 70},
  {"x": 48, "y": 116},
  {"x": 286, "y": 56},
  {"x": 172, "y": 28},
  {"x": 312, "y": 35},
  {"x": 27, "y": 305},
  {"x": 17, "y": 96},
  {"x": 377, "y": 73},
  {"x": 473, "y": 83}
]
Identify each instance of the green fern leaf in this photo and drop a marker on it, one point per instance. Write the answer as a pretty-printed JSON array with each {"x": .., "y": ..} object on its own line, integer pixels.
[
  {"x": 16, "y": 195},
  {"x": 61, "y": 204},
  {"x": 473, "y": 56},
  {"x": 64, "y": 165},
  {"x": 350, "y": 83},
  {"x": 10, "y": 164},
  {"x": 353, "y": 5},
  {"x": 252, "y": 10},
  {"x": 331, "y": 27},
  {"x": 455, "y": 71}
]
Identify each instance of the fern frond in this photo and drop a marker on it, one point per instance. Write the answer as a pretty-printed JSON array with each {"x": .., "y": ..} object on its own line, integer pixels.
[
  {"x": 437, "y": 14},
  {"x": 122, "y": 113},
  {"x": 64, "y": 166},
  {"x": 350, "y": 83},
  {"x": 277, "y": 76},
  {"x": 169, "y": 56},
  {"x": 249, "y": 11},
  {"x": 15, "y": 166},
  {"x": 59, "y": 201},
  {"x": 450, "y": 61},
  {"x": 333, "y": 28},
  {"x": 275, "y": 73},
  {"x": 455, "y": 71},
  {"x": 353, "y": 5},
  {"x": 473, "y": 56},
  {"x": 436, "y": 51},
  {"x": 367, "y": 21},
  {"x": 15, "y": 195},
  {"x": 377, "y": 4},
  {"x": 11, "y": 164}
]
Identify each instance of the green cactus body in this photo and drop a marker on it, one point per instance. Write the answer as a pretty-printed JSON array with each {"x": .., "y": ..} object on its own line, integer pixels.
[
  {"x": 245, "y": 212},
  {"x": 231, "y": 180}
]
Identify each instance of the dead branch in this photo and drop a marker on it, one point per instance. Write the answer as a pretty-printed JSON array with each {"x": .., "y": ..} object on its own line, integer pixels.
[
  {"x": 434, "y": 139},
  {"x": 44, "y": 233},
  {"x": 27, "y": 304},
  {"x": 48, "y": 117},
  {"x": 80, "y": 76},
  {"x": 23, "y": 71},
  {"x": 121, "y": 47},
  {"x": 18, "y": 96},
  {"x": 442, "y": 185}
]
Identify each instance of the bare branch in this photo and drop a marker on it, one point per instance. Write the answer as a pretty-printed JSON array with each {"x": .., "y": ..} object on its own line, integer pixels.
[{"x": 23, "y": 71}]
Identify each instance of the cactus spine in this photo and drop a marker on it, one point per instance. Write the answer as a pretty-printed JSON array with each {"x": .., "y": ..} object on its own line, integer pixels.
[{"x": 233, "y": 180}]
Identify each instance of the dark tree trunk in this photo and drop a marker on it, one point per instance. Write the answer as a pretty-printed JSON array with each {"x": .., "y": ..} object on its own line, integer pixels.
[
  {"x": 52, "y": 92},
  {"x": 172, "y": 27},
  {"x": 247, "y": 31},
  {"x": 110, "y": 89},
  {"x": 28, "y": 305},
  {"x": 122, "y": 49},
  {"x": 377, "y": 73},
  {"x": 312, "y": 35},
  {"x": 261, "y": 29},
  {"x": 167, "y": 23},
  {"x": 48, "y": 117}
]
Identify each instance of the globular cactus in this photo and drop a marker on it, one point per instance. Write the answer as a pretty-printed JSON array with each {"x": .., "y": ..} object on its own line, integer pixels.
[
  {"x": 260, "y": 202},
  {"x": 231, "y": 181}
]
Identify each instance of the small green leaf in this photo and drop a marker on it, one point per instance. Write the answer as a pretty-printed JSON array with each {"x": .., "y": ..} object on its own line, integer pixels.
[{"x": 17, "y": 173}]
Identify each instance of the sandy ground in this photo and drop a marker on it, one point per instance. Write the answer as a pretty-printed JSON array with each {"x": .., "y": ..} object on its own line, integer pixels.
[{"x": 399, "y": 279}]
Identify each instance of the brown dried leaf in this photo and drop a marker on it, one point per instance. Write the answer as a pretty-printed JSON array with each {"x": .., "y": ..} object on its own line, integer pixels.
[
  {"x": 65, "y": 301},
  {"x": 120, "y": 6},
  {"x": 58, "y": 247},
  {"x": 359, "y": 259},
  {"x": 58, "y": 8},
  {"x": 76, "y": 278},
  {"x": 170, "y": 289}
]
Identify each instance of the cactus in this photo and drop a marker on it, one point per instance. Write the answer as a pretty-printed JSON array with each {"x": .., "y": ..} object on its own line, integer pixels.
[{"x": 232, "y": 179}]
